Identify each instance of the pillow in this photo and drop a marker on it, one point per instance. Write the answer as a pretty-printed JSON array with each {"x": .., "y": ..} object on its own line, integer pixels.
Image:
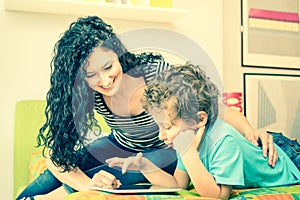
[{"x": 37, "y": 165}]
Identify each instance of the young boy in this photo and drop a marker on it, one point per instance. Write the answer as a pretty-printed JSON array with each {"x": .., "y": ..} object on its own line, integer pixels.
[{"x": 211, "y": 153}]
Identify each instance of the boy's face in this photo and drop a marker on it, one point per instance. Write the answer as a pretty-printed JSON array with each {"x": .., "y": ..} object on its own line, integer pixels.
[{"x": 169, "y": 123}]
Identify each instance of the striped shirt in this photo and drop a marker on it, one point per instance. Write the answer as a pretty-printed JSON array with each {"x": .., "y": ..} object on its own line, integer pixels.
[{"x": 138, "y": 132}]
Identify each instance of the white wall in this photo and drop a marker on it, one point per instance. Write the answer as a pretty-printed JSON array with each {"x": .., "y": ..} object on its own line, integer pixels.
[
  {"x": 27, "y": 40},
  {"x": 232, "y": 69}
]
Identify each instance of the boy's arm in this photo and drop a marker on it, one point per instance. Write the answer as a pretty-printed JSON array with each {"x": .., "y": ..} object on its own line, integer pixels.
[
  {"x": 153, "y": 174},
  {"x": 186, "y": 145},
  {"x": 202, "y": 180},
  {"x": 157, "y": 176}
]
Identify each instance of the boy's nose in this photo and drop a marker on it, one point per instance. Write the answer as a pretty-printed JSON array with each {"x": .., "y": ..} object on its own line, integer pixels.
[{"x": 162, "y": 135}]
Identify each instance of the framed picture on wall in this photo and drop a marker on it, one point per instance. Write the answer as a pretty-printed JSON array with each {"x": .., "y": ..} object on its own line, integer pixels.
[
  {"x": 270, "y": 34},
  {"x": 272, "y": 102}
]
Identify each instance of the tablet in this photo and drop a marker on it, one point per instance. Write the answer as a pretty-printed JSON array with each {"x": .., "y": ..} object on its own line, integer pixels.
[{"x": 139, "y": 188}]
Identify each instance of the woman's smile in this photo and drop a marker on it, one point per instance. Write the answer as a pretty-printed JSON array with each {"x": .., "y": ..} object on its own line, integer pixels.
[{"x": 108, "y": 86}]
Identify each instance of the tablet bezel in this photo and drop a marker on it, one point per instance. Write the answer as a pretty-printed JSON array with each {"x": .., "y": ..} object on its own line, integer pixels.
[{"x": 153, "y": 189}]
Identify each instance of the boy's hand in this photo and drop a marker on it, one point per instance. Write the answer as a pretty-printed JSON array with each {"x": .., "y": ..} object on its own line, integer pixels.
[
  {"x": 130, "y": 163},
  {"x": 188, "y": 139},
  {"x": 183, "y": 141},
  {"x": 104, "y": 179}
]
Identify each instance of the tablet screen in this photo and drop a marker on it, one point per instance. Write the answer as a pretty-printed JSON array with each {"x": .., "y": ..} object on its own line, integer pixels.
[{"x": 139, "y": 188}]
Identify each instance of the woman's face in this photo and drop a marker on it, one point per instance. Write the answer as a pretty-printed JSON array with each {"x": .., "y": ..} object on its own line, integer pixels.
[{"x": 104, "y": 71}]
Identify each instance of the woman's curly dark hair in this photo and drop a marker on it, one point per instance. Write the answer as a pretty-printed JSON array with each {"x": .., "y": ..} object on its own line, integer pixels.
[
  {"x": 192, "y": 88},
  {"x": 70, "y": 101}
]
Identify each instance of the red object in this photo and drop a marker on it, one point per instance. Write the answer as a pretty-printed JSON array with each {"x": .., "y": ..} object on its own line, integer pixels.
[
  {"x": 274, "y": 15},
  {"x": 233, "y": 99}
]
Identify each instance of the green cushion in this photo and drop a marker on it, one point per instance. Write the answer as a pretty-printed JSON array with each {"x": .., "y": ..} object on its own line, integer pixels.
[{"x": 29, "y": 117}]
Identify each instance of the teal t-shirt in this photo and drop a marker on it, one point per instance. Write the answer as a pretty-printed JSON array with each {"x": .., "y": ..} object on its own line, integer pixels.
[{"x": 233, "y": 160}]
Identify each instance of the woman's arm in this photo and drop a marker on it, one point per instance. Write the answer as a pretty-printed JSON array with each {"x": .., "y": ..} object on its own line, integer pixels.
[
  {"x": 75, "y": 179},
  {"x": 238, "y": 121},
  {"x": 242, "y": 125}
]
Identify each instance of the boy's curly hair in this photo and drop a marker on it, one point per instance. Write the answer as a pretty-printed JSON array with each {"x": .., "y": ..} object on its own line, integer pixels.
[
  {"x": 70, "y": 101},
  {"x": 193, "y": 90}
]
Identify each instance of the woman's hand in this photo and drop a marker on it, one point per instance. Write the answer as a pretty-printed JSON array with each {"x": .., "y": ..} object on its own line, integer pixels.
[
  {"x": 240, "y": 122},
  {"x": 267, "y": 144},
  {"x": 104, "y": 179},
  {"x": 130, "y": 163}
]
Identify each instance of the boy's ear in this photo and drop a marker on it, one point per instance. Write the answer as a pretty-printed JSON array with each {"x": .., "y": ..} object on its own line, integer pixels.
[{"x": 202, "y": 116}]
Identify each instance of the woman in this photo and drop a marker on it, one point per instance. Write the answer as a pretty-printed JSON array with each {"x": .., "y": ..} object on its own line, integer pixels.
[{"x": 91, "y": 69}]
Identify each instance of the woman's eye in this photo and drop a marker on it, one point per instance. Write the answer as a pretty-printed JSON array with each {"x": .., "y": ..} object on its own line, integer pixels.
[
  {"x": 90, "y": 75},
  {"x": 107, "y": 68}
]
